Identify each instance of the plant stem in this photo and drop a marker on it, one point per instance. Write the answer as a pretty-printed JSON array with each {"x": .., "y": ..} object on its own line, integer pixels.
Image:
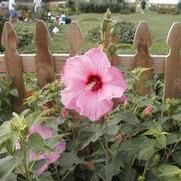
[
  {"x": 107, "y": 154},
  {"x": 25, "y": 165},
  {"x": 145, "y": 169}
]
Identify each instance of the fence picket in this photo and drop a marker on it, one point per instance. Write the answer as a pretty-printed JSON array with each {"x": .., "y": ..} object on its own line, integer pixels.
[
  {"x": 75, "y": 39},
  {"x": 13, "y": 64},
  {"x": 44, "y": 60},
  {"x": 173, "y": 63},
  {"x": 142, "y": 41}
]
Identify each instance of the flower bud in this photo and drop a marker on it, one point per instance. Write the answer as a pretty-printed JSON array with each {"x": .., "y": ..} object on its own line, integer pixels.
[
  {"x": 108, "y": 14},
  {"x": 123, "y": 100},
  {"x": 148, "y": 111},
  {"x": 64, "y": 112}
]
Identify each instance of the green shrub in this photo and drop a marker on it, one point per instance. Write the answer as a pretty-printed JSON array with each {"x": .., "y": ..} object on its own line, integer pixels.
[
  {"x": 25, "y": 33},
  {"x": 167, "y": 10},
  {"x": 6, "y": 93},
  {"x": 100, "y": 6},
  {"x": 94, "y": 34},
  {"x": 153, "y": 7},
  {"x": 123, "y": 30}
]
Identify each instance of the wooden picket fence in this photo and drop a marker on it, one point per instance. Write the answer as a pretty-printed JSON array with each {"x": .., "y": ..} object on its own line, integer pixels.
[{"x": 46, "y": 64}]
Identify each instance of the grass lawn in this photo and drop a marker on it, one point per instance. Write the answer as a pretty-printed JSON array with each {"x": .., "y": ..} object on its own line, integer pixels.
[{"x": 159, "y": 25}]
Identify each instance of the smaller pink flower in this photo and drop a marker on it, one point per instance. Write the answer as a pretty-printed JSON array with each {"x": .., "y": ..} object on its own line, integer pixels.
[
  {"x": 48, "y": 157},
  {"x": 17, "y": 145},
  {"x": 148, "y": 111}
]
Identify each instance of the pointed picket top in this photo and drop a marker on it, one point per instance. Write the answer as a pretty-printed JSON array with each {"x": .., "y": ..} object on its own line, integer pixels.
[
  {"x": 142, "y": 59},
  {"x": 9, "y": 38},
  {"x": 41, "y": 36},
  {"x": 142, "y": 35},
  {"x": 173, "y": 63},
  {"x": 44, "y": 61},
  {"x": 75, "y": 38},
  {"x": 174, "y": 37},
  {"x": 13, "y": 64}
]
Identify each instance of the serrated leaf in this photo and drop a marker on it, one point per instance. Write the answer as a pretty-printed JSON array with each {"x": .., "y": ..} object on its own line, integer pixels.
[
  {"x": 88, "y": 135},
  {"x": 69, "y": 160}
]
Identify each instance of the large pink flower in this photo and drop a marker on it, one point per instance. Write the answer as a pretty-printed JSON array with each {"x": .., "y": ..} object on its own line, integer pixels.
[{"x": 91, "y": 83}]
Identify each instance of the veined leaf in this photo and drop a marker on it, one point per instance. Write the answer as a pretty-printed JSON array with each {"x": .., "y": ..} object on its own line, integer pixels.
[{"x": 90, "y": 134}]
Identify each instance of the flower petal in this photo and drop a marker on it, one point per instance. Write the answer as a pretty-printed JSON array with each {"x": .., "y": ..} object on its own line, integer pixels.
[
  {"x": 99, "y": 60},
  {"x": 77, "y": 67},
  {"x": 69, "y": 98},
  {"x": 42, "y": 169},
  {"x": 61, "y": 146},
  {"x": 114, "y": 84},
  {"x": 91, "y": 107},
  {"x": 52, "y": 157},
  {"x": 42, "y": 130}
]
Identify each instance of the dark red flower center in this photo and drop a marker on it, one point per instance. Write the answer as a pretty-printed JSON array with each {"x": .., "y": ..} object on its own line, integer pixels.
[{"x": 94, "y": 83}]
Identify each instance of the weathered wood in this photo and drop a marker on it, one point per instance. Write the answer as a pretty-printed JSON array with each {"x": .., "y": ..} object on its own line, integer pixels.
[
  {"x": 13, "y": 64},
  {"x": 125, "y": 60},
  {"x": 173, "y": 63},
  {"x": 142, "y": 58},
  {"x": 75, "y": 39},
  {"x": 44, "y": 61}
]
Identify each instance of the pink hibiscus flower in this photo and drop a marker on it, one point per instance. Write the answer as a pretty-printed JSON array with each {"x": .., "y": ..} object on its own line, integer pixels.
[
  {"x": 48, "y": 157},
  {"x": 91, "y": 83}
]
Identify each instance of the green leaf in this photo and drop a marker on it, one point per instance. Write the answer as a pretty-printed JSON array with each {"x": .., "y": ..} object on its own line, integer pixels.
[
  {"x": 69, "y": 160},
  {"x": 14, "y": 92},
  {"x": 141, "y": 147},
  {"x": 34, "y": 118},
  {"x": 173, "y": 138},
  {"x": 168, "y": 172},
  {"x": 176, "y": 117},
  {"x": 177, "y": 157},
  {"x": 95, "y": 178},
  {"x": 45, "y": 177},
  {"x": 7, "y": 165},
  {"x": 5, "y": 131},
  {"x": 90, "y": 134},
  {"x": 36, "y": 142},
  {"x": 115, "y": 166},
  {"x": 159, "y": 135},
  {"x": 128, "y": 174}
]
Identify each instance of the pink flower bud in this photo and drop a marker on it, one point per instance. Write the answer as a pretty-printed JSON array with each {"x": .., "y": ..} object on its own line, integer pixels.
[
  {"x": 148, "y": 111},
  {"x": 123, "y": 100},
  {"x": 64, "y": 112},
  {"x": 17, "y": 145}
]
